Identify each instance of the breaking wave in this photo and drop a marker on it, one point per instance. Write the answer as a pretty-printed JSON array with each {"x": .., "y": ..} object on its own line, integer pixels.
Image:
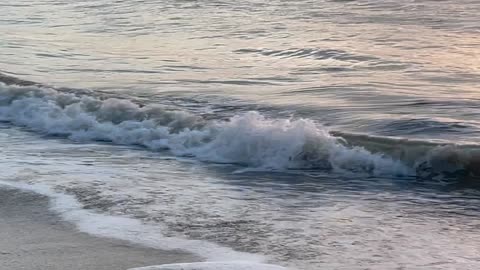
[{"x": 249, "y": 139}]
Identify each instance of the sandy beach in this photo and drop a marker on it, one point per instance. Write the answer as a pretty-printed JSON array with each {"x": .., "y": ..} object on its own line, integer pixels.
[{"x": 32, "y": 237}]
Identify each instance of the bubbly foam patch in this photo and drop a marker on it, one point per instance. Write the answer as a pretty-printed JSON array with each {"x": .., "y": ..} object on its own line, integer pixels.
[
  {"x": 213, "y": 266},
  {"x": 249, "y": 139}
]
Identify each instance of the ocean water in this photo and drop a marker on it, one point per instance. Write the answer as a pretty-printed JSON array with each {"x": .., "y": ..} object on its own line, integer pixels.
[{"x": 304, "y": 134}]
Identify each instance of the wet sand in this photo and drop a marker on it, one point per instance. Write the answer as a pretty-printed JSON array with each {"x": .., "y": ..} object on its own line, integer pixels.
[{"x": 34, "y": 238}]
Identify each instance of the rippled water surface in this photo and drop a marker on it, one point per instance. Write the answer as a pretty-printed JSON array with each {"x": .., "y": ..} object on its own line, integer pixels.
[{"x": 321, "y": 134}]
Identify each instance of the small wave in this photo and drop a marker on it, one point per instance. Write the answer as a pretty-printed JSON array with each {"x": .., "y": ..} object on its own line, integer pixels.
[
  {"x": 314, "y": 53},
  {"x": 429, "y": 159},
  {"x": 9, "y": 80},
  {"x": 248, "y": 139}
]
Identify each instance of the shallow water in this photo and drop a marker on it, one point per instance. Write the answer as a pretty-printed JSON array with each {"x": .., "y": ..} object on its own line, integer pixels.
[{"x": 321, "y": 134}]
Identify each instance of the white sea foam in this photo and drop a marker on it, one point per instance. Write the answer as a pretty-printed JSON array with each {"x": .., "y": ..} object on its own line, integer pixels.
[
  {"x": 130, "y": 229},
  {"x": 213, "y": 266},
  {"x": 249, "y": 139}
]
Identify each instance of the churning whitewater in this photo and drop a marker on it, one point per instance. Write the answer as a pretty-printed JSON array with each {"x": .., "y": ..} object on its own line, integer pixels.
[{"x": 248, "y": 139}]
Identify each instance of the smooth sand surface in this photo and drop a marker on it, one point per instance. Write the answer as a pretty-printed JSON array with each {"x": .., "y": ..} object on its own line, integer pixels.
[{"x": 34, "y": 238}]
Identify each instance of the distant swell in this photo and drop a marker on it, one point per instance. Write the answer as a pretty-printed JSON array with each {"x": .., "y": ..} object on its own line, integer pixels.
[{"x": 248, "y": 139}]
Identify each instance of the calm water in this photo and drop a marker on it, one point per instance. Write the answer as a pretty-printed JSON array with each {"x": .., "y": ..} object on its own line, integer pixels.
[{"x": 319, "y": 134}]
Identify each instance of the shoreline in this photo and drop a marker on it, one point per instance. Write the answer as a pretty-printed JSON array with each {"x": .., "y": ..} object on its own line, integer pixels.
[{"x": 34, "y": 237}]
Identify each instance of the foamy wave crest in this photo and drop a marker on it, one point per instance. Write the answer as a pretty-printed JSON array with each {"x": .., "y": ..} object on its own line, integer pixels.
[{"x": 249, "y": 139}]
